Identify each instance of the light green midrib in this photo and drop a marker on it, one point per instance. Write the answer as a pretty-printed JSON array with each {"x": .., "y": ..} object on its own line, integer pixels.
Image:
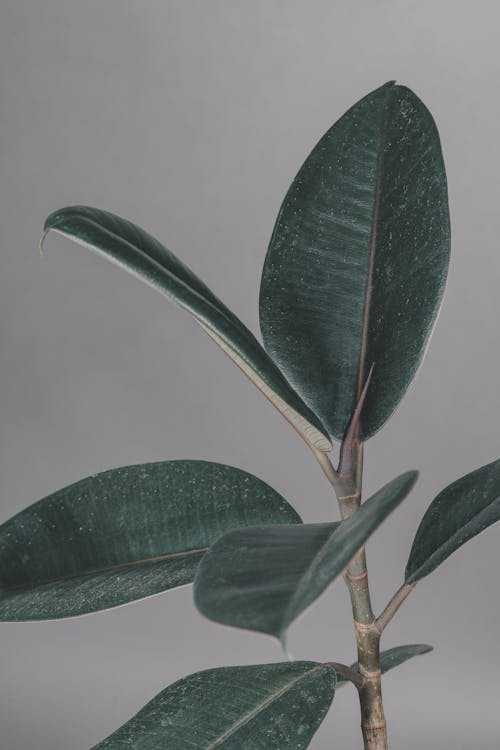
[
  {"x": 100, "y": 571},
  {"x": 283, "y": 390},
  {"x": 259, "y": 708}
]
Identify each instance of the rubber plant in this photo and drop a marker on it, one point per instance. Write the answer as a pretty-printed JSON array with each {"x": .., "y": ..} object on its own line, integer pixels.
[{"x": 350, "y": 291}]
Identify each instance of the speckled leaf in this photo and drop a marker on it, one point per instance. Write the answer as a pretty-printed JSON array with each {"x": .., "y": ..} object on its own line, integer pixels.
[
  {"x": 357, "y": 263},
  {"x": 123, "y": 535},
  {"x": 143, "y": 256},
  {"x": 263, "y": 578},
  {"x": 461, "y": 511},
  {"x": 392, "y": 658},
  {"x": 263, "y": 707}
]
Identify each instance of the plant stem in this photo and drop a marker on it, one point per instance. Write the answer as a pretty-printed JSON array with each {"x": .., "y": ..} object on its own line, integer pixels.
[
  {"x": 394, "y": 605},
  {"x": 373, "y": 724},
  {"x": 326, "y": 466},
  {"x": 348, "y": 673}
]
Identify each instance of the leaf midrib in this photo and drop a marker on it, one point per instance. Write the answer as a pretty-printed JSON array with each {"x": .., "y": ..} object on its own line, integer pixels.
[
  {"x": 103, "y": 570},
  {"x": 222, "y": 310},
  {"x": 259, "y": 708},
  {"x": 373, "y": 249},
  {"x": 203, "y": 320}
]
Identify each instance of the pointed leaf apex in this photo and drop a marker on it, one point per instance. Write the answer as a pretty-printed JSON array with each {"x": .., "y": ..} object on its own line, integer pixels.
[{"x": 41, "y": 242}]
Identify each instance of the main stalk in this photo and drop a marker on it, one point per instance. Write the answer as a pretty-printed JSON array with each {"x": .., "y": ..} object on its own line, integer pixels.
[{"x": 347, "y": 485}]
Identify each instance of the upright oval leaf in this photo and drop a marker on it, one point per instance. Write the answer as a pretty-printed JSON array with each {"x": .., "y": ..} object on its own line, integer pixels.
[
  {"x": 143, "y": 256},
  {"x": 461, "y": 511},
  {"x": 357, "y": 263},
  {"x": 123, "y": 535},
  {"x": 271, "y": 706},
  {"x": 263, "y": 578}
]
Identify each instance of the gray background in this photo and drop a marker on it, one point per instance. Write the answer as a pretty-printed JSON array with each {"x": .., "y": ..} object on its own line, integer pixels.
[{"x": 191, "y": 118}]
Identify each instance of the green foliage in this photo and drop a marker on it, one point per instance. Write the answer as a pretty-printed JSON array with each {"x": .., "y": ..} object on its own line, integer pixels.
[
  {"x": 357, "y": 263},
  {"x": 263, "y": 578},
  {"x": 461, "y": 511},
  {"x": 143, "y": 256},
  {"x": 271, "y": 706},
  {"x": 124, "y": 534},
  {"x": 351, "y": 287}
]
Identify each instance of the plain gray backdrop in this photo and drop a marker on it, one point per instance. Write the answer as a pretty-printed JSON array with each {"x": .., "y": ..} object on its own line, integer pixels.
[{"x": 191, "y": 118}]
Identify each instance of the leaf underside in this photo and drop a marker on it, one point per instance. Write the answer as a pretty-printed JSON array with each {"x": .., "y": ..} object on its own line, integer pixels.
[
  {"x": 263, "y": 578},
  {"x": 124, "y": 534},
  {"x": 461, "y": 511},
  {"x": 357, "y": 262},
  {"x": 271, "y": 706},
  {"x": 143, "y": 256}
]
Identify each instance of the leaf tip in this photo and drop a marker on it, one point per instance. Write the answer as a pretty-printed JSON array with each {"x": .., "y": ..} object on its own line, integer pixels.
[
  {"x": 282, "y": 638},
  {"x": 42, "y": 240},
  {"x": 425, "y": 648},
  {"x": 411, "y": 477}
]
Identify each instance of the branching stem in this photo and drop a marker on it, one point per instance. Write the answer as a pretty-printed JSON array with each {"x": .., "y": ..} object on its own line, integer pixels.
[
  {"x": 393, "y": 606},
  {"x": 348, "y": 484},
  {"x": 326, "y": 466},
  {"x": 355, "y": 677}
]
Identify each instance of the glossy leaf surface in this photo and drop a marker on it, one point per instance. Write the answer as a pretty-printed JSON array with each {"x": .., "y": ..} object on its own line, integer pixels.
[
  {"x": 123, "y": 535},
  {"x": 263, "y": 707},
  {"x": 358, "y": 259},
  {"x": 143, "y": 256},
  {"x": 392, "y": 658},
  {"x": 263, "y": 578},
  {"x": 461, "y": 511}
]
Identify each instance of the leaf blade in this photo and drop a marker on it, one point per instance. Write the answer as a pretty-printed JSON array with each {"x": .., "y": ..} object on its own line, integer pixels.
[
  {"x": 133, "y": 249},
  {"x": 263, "y": 578},
  {"x": 458, "y": 513},
  {"x": 233, "y": 707},
  {"x": 363, "y": 230},
  {"x": 248, "y": 580},
  {"x": 123, "y": 535}
]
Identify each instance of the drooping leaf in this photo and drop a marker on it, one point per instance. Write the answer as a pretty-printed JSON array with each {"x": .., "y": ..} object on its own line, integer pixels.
[
  {"x": 271, "y": 706},
  {"x": 249, "y": 578},
  {"x": 143, "y": 256},
  {"x": 357, "y": 263},
  {"x": 460, "y": 511},
  {"x": 263, "y": 578},
  {"x": 392, "y": 658},
  {"x": 123, "y": 535}
]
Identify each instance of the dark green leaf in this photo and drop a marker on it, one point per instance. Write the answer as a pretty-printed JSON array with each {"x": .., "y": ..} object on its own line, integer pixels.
[
  {"x": 458, "y": 513},
  {"x": 391, "y": 658},
  {"x": 249, "y": 579},
  {"x": 263, "y": 578},
  {"x": 123, "y": 535},
  {"x": 357, "y": 263},
  {"x": 144, "y": 257},
  {"x": 271, "y": 706}
]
